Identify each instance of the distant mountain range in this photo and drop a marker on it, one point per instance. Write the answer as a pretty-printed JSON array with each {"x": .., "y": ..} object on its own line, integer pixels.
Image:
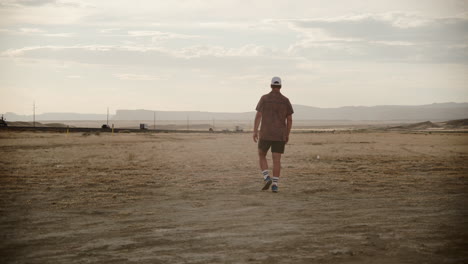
[{"x": 432, "y": 112}]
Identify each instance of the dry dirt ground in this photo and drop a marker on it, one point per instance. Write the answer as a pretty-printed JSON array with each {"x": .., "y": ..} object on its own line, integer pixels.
[{"x": 195, "y": 198}]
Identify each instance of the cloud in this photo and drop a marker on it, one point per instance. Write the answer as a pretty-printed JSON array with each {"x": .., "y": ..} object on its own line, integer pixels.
[
  {"x": 235, "y": 26},
  {"x": 105, "y": 52},
  {"x": 213, "y": 60},
  {"x": 60, "y": 35},
  {"x": 249, "y": 50},
  {"x": 388, "y": 27},
  {"x": 15, "y": 14},
  {"x": 109, "y": 30},
  {"x": 31, "y": 30},
  {"x": 158, "y": 35},
  {"x": 25, "y": 50},
  {"x": 249, "y": 78},
  {"x": 360, "y": 51},
  {"x": 27, "y": 2},
  {"x": 394, "y": 36},
  {"x": 136, "y": 77},
  {"x": 394, "y": 43},
  {"x": 37, "y": 3},
  {"x": 35, "y": 32}
]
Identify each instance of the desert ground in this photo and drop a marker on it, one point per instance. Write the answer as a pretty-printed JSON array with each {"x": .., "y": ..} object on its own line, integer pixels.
[{"x": 387, "y": 197}]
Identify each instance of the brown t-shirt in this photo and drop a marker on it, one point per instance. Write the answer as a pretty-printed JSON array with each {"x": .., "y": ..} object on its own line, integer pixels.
[{"x": 274, "y": 107}]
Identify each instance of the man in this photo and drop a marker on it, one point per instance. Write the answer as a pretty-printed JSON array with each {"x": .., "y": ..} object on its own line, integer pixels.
[{"x": 274, "y": 111}]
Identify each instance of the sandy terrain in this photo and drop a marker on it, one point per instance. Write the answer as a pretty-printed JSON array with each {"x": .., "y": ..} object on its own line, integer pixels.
[{"x": 195, "y": 198}]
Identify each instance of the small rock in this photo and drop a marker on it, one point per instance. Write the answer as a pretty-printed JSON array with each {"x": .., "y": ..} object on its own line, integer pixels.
[{"x": 343, "y": 251}]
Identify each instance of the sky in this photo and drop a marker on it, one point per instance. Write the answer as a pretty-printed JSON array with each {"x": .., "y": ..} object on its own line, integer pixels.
[{"x": 220, "y": 55}]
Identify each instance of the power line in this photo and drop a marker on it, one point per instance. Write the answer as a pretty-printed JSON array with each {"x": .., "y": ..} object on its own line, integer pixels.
[{"x": 34, "y": 113}]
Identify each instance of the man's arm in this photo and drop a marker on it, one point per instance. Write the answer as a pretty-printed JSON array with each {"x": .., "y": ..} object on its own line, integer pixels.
[
  {"x": 258, "y": 118},
  {"x": 289, "y": 126}
]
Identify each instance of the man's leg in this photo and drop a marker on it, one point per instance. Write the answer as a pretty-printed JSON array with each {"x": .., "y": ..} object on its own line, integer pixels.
[
  {"x": 276, "y": 170},
  {"x": 264, "y": 167},
  {"x": 276, "y": 164},
  {"x": 262, "y": 160}
]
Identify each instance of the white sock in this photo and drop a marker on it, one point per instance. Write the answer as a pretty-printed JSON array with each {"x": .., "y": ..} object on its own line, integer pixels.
[
  {"x": 275, "y": 180},
  {"x": 265, "y": 174}
]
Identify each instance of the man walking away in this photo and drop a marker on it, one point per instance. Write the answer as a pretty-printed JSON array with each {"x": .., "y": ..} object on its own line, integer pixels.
[{"x": 274, "y": 112}]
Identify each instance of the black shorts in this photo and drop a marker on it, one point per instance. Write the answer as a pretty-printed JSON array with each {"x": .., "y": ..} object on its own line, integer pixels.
[{"x": 276, "y": 146}]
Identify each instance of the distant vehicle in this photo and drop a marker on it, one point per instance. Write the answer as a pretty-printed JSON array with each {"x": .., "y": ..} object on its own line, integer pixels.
[
  {"x": 3, "y": 122},
  {"x": 105, "y": 126},
  {"x": 143, "y": 126},
  {"x": 239, "y": 129}
]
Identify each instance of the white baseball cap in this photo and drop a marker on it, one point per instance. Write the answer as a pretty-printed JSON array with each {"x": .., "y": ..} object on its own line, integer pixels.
[{"x": 276, "y": 81}]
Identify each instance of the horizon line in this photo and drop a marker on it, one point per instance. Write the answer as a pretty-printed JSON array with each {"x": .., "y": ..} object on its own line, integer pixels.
[{"x": 239, "y": 112}]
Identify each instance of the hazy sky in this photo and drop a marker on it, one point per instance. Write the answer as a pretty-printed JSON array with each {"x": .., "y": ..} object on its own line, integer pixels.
[{"x": 219, "y": 55}]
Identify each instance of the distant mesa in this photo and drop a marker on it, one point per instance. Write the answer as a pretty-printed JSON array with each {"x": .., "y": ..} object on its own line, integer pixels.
[
  {"x": 419, "y": 126},
  {"x": 428, "y": 125},
  {"x": 423, "y": 125},
  {"x": 433, "y": 112},
  {"x": 37, "y": 124},
  {"x": 55, "y": 125},
  {"x": 460, "y": 123},
  {"x": 53, "y": 117}
]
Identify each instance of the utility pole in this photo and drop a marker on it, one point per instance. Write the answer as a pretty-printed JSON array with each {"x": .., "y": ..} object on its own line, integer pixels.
[
  {"x": 34, "y": 113},
  {"x": 107, "y": 123}
]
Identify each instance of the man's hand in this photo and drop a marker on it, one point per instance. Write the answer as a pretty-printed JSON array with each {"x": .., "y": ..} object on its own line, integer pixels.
[
  {"x": 289, "y": 126},
  {"x": 258, "y": 119}
]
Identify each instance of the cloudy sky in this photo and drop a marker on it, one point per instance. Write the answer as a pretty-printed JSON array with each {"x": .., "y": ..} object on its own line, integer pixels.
[{"x": 219, "y": 55}]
